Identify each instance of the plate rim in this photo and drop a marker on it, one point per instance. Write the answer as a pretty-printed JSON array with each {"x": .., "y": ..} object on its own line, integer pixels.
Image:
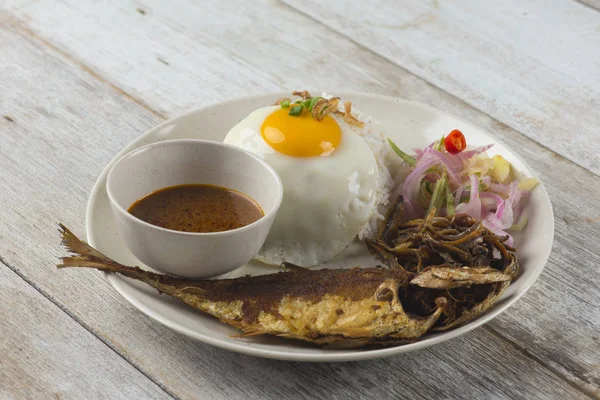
[{"x": 345, "y": 354}]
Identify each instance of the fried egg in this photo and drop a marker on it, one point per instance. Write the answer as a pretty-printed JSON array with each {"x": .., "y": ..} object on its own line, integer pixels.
[{"x": 331, "y": 182}]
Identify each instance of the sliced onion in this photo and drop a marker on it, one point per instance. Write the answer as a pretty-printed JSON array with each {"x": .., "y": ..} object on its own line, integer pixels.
[
  {"x": 518, "y": 208},
  {"x": 458, "y": 194},
  {"x": 497, "y": 205},
  {"x": 487, "y": 181},
  {"x": 447, "y": 162},
  {"x": 412, "y": 186},
  {"x": 473, "y": 208},
  {"x": 492, "y": 224},
  {"x": 474, "y": 187},
  {"x": 500, "y": 188},
  {"x": 465, "y": 155}
]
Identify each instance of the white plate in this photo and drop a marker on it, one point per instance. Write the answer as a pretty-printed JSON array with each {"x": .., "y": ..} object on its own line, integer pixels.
[{"x": 407, "y": 123}]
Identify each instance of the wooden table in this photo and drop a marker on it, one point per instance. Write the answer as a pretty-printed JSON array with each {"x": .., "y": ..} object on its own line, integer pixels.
[{"x": 79, "y": 79}]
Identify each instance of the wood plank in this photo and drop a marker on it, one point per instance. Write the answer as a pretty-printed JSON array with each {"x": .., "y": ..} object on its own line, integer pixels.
[
  {"x": 531, "y": 65},
  {"x": 595, "y": 4},
  {"x": 174, "y": 63},
  {"x": 186, "y": 367},
  {"x": 46, "y": 354}
]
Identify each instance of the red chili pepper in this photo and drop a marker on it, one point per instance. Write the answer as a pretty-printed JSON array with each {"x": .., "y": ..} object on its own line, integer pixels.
[{"x": 455, "y": 142}]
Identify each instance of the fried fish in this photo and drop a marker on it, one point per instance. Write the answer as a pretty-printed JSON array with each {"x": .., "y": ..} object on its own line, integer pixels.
[
  {"x": 330, "y": 307},
  {"x": 441, "y": 273}
]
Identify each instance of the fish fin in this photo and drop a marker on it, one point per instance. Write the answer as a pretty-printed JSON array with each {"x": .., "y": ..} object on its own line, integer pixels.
[{"x": 75, "y": 261}]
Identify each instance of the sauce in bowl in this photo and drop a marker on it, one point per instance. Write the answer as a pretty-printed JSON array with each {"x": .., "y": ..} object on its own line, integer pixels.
[{"x": 197, "y": 208}]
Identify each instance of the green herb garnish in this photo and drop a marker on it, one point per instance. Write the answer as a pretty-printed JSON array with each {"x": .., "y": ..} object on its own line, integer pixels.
[
  {"x": 438, "y": 195},
  {"x": 408, "y": 158},
  {"x": 440, "y": 144},
  {"x": 429, "y": 187},
  {"x": 285, "y": 104},
  {"x": 449, "y": 202},
  {"x": 424, "y": 192},
  {"x": 296, "y": 110}
]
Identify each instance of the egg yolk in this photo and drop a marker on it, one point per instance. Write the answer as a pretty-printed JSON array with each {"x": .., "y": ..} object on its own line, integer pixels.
[{"x": 302, "y": 135}]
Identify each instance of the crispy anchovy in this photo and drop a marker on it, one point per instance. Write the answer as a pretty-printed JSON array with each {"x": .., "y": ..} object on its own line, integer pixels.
[
  {"x": 392, "y": 220},
  {"x": 497, "y": 289},
  {"x": 441, "y": 246},
  {"x": 495, "y": 241},
  {"x": 448, "y": 277},
  {"x": 479, "y": 308},
  {"x": 454, "y": 255},
  {"x": 473, "y": 231}
]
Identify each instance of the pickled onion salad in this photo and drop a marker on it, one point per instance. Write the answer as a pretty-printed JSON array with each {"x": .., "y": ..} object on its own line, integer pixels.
[{"x": 449, "y": 177}]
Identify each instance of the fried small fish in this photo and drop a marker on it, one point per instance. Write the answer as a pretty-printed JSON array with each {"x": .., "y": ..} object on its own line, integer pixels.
[
  {"x": 330, "y": 307},
  {"x": 452, "y": 257},
  {"x": 445, "y": 277}
]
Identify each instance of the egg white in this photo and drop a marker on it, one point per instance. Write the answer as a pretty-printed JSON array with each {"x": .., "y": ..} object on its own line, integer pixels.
[{"x": 327, "y": 200}]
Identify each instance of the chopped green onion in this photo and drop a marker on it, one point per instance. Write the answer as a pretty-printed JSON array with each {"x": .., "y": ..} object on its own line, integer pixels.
[
  {"x": 285, "y": 104},
  {"x": 449, "y": 202},
  {"x": 325, "y": 107},
  {"x": 424, "y": 195},
  {"x": 437, "y": 197},
  {"x": 428, "y": 187},
  {"x": 296, "y": 110},
  {"x": 298, "y": 102},
  {"x": 408, "y": 158},
  {"x": 312, "y": 103},
  {"x": 305, "y": 103},
  {"x": 440, "y": 144}
]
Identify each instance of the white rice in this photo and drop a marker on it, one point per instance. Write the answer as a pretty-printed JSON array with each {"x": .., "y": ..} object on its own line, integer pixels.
[
  {"x": 371, "y": 133},
  {"x": 373, "y": 136}
]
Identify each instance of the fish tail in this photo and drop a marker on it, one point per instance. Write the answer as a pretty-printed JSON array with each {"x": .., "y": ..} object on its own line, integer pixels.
[
  {"x": 82, "y": 262},
  {"x": 85, "y": 256}
]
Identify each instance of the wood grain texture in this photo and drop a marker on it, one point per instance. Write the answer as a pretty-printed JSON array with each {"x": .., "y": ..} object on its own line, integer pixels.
[
  {"x": 182, "y": 54},
  {"x": 75, "y": 119},
  {"x": 532, "y": 66},
  {"x": 46, "y": 354}
]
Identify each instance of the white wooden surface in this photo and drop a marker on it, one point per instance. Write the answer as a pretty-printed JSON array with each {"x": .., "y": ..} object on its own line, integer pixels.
[
  {"x": 530, "y": 65},
  {"x": 80, "y": 79},
  {"x": 46, "y": 354}
]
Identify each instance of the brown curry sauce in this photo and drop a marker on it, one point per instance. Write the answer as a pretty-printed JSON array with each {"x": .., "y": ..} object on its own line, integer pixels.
[{"x": 197, "y": 208}]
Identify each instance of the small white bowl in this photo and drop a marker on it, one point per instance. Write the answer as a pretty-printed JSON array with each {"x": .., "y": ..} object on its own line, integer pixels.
[{"x": 177, "y": 162}]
